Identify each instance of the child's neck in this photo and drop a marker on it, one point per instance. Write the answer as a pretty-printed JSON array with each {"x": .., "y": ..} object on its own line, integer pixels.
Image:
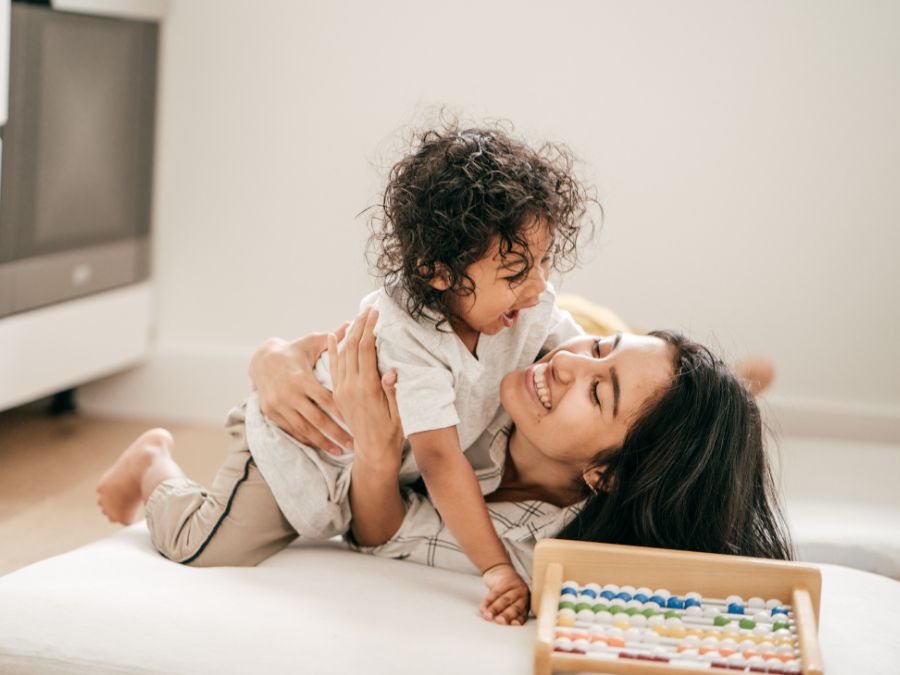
[{"x": 467, "y": 334}]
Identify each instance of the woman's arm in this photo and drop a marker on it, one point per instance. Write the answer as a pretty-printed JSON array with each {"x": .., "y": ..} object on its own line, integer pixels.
[
  {"x": 368, "y": 403},
  {"x": 292, "y": 397}
]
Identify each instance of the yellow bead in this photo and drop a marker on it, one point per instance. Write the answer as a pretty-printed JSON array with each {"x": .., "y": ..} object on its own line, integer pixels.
[
  {"x": 565, "y": 621},
  {"x": 713, "y": 634},
  {"x": 621, "y": 623},
  {"x": 732, "y": 634},
  {"x": 785, "y": 641},
  {"x": 678, "y": 632},
  {"x": 696, "y": 631}
]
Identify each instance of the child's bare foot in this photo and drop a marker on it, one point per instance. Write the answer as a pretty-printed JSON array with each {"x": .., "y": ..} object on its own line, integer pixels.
[
  {"x": 121, "y": 497},
  {"x": 757, "y": 372}
]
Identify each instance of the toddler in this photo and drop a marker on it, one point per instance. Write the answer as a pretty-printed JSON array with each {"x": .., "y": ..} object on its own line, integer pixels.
[{"x": 472, "y": 221}]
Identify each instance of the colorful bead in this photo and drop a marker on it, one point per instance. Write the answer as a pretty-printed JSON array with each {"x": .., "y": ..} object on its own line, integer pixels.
[
  {"x": 609, "y": 595},
  {"x": 721, "y": 621},
  {"x": 586, "y": 615},
  {"x": 589, "y": 592},
  {"x": 747, "y": 624},
  {"x": 568, "y": 590},
  {"x": 642, "y": 597},
  {"x": 735, "y": 608},
  {"x": 566, "y": 605},
  {"x": 675, "y": 602},
  {"x": 658, "y": 599},
  {"x": 779, "y": 610}
]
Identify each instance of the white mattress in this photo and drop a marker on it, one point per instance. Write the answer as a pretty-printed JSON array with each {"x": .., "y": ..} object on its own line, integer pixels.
[{"x": 117, "y": 606}]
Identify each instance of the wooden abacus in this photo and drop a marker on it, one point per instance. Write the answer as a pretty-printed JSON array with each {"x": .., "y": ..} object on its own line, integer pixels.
[{"x": 712, "y": 575}]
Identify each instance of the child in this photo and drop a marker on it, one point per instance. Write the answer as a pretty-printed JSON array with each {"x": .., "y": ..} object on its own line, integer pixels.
[{"x": 472, "y": 222}]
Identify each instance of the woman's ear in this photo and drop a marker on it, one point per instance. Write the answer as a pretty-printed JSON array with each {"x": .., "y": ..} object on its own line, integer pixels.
[{"x": 593, "y": 478}]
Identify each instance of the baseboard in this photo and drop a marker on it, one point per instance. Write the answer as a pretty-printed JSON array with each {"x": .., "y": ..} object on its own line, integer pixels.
[
  {"x": 217, "y": 379},
  {"x": 796, "y": 416}
]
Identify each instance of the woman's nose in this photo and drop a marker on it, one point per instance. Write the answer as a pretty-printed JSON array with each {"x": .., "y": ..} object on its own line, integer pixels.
[{"x": 564, "y": 366}]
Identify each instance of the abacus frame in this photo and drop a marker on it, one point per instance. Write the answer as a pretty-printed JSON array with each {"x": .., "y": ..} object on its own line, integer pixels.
[{"x": 710, "y": 574}]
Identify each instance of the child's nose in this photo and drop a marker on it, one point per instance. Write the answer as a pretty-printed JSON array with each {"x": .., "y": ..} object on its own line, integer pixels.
[{"x": 536, "y": 283}]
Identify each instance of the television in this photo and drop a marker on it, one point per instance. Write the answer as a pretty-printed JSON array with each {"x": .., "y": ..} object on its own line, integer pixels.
[{"x": 77, "y": 156}]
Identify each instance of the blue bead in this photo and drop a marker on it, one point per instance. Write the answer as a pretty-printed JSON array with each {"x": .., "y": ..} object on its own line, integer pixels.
[
  {"x": 674, "y": 602},
  {"x": 735, "y": 608},
  {"x": 659, "y": 600},
  {"x": 692, "y": 602},
  {"x": 569, "y": 591},
  {"x": 779, "y": 610},
  {"x": 624, "y": 596},
  {"x": 640, "y": 597},
  {"x": 609, "y": 595},
  {"x": 589, "y": 592}
]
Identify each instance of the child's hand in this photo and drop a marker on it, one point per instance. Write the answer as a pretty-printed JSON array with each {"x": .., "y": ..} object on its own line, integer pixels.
[{"x": 507, "y": 599}]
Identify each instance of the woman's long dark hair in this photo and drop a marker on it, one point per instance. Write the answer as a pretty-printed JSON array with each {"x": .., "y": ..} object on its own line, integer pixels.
[{"x": 692, "y": 473}]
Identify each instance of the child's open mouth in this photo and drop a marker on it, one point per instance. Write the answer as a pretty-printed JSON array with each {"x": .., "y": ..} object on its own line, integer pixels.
[{"x": 509, "y": 318}]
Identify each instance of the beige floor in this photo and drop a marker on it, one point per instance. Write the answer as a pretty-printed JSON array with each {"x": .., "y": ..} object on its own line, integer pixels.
[{"x": 49, "y": 468}]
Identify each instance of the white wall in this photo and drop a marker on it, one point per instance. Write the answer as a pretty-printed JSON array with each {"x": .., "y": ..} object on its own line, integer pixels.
[{"x": 747, "y": 155}]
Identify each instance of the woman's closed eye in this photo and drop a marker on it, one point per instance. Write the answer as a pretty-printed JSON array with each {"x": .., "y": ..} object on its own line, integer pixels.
[
  {"x": 595, "y": 394},
  {"x": 603, "y": 347}
]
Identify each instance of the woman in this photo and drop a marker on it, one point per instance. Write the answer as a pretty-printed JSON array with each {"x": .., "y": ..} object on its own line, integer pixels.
[{"x": 643, "y": 440}]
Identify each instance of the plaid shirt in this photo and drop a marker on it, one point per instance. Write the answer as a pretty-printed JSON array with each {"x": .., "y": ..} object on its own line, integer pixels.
[{"x": 424, "y": 538}]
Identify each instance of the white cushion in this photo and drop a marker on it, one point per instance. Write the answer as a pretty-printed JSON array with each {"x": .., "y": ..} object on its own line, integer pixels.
[{"x": 117, "y": 606}]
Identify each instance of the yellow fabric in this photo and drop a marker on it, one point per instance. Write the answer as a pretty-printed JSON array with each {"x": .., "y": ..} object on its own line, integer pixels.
[{"x": 594, "y": 319}]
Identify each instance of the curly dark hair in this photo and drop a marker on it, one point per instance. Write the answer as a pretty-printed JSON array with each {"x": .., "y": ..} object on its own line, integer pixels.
[{"x": 456, "y": 193}]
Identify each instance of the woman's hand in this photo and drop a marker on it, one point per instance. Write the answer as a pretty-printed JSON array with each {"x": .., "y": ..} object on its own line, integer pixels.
[
  {"x": 292, "y": 397},
  {"x": 506, "y": 601},
  {"x": 366, "y": 401}
]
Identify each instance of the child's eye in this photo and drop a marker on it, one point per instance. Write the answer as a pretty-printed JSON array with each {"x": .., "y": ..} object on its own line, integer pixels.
[
  {"x": 598, "y": 343},
  {"x": 518, "y": 276}
]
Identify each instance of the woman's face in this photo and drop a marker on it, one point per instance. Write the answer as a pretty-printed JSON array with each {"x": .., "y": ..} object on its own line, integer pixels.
[{"x": 582, "y": 397}]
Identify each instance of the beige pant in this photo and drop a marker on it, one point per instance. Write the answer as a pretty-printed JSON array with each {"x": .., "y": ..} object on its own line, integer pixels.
[{"x": 235, "y": 523}]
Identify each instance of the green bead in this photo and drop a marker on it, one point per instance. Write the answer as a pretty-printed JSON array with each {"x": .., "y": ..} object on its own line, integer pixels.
[
  {"x": 649, "y": 612},
  {"x": 583, "y": 605},
  {"x": 631, "y": 611},
  {"x": 567, "y": 605},
  {"x": 780, "y": 624},
  {"x": 671, "y": 613},
  {"x": 615, "y": 609},
  {"x": 721, "y": 621},
  {"x": 600, "y": 607},
  {"x": 747, "y": 623}
]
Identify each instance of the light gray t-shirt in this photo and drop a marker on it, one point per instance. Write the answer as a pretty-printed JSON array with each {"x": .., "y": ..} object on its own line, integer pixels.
[{"x": 440, "y": 383}]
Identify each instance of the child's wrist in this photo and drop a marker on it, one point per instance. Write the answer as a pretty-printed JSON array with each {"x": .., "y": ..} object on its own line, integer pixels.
[{"x": 495, "y": 566}]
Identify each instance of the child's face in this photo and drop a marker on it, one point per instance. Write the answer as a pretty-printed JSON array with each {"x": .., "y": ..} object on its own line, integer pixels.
[{"x": 501, "y": 290}]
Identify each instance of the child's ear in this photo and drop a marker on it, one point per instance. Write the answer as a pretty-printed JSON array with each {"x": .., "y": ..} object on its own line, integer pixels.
[{"x": 441, "y": 279}]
